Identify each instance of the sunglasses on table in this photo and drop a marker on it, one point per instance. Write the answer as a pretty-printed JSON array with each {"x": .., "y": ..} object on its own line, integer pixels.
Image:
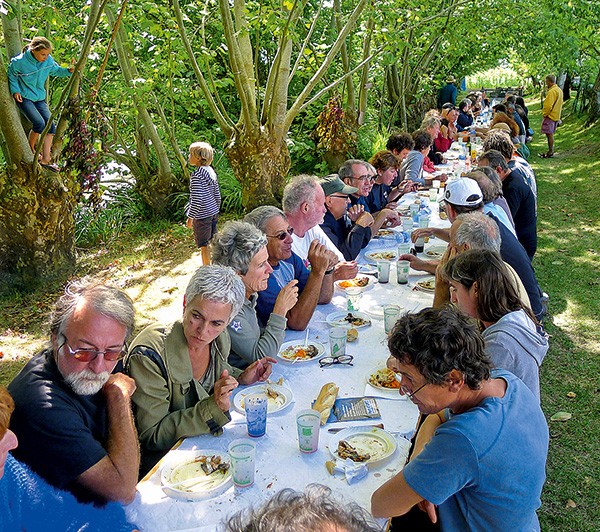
[
  {"x": 325, "y": 362},
  {"x": 87, "y": 355},
  {"x": 282, "y": 234}
]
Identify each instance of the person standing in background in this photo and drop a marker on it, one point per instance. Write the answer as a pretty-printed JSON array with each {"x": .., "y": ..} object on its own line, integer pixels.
[
  {"x": 551, "y": 113},
  {"x": 447, "y": 94},
  {"x": 205, "y": 197},
  {"x": 27, "y": 75}
]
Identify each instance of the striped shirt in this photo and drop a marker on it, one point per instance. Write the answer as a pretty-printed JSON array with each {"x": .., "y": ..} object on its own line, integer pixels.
[{"x": 205, "y": 196}]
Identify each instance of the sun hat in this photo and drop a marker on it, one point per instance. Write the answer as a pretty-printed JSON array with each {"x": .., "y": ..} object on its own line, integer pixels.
[
  {"x": 450, "y": 79},
  {"x": 332, "y": 184},
  {"x": 464, "y": 192}
]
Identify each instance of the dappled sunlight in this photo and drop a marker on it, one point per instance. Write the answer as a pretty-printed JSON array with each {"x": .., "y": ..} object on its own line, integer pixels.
[
  {"x": 15, "y": 345},
  {"x": 581, "y": 328}
]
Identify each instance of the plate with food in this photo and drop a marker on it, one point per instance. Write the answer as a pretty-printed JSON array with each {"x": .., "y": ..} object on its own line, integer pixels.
[
  {"x": 368, "y": 445},
  {"x": 361, "y": 281},
  {"x": 195, "y": 475},
  {"x": 426, "y": 285},
  {"x": 279, "y": 397},
  {"x": 435, "y": 252},
  {"x": 296, "y": 351},
  {"x": 384, "y": 379},
  {"x": 386, "y": 233},
  {"x": 384, "y": 254},
  {"x": 358, "y": 320}
]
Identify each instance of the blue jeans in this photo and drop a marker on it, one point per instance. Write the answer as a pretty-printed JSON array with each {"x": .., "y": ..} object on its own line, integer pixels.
[{"x": 37, "y": 113}]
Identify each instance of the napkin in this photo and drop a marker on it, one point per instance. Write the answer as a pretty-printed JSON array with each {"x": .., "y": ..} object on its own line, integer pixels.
[{"x": 352, "y": 471}]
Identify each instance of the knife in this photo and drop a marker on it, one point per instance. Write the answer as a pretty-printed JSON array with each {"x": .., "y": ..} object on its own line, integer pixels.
[{"x": 337, "y": 429}]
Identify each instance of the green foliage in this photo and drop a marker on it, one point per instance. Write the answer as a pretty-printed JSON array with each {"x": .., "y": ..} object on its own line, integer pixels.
[{"x": 500, "y": 76}]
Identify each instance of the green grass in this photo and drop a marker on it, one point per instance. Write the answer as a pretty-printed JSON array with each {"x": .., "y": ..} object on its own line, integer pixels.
[{"x": 567, "y": 265}]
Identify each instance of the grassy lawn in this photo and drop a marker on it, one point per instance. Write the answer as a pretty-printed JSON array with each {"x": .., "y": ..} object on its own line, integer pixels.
[{"x": 153, "y": 267}]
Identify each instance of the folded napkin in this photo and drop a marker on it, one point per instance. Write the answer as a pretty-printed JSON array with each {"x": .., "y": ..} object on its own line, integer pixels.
[{"x": 352, "y": 471}]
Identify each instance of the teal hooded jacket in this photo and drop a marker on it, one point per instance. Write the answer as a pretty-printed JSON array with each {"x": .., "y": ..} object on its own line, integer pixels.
[{"x": 27, "y": 75}]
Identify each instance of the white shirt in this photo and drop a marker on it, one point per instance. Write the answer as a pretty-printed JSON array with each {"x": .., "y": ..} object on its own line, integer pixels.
[{"x": 300, "y": 246}]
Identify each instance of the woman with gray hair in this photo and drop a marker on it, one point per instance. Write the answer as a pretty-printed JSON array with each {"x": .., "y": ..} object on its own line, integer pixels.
[
  {"x": 243, "y": 247},
  {"x": 184, "y": 382}
]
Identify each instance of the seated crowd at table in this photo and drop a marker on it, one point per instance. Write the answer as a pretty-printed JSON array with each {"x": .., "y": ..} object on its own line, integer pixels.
[{"x": 470, "y": 363}]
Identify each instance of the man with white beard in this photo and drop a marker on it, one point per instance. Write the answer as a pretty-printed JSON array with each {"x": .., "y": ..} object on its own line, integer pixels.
[{"x": 73, "y": 416}]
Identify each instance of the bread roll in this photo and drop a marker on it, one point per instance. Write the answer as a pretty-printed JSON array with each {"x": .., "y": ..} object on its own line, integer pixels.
[{"x": 325, "y": 400}]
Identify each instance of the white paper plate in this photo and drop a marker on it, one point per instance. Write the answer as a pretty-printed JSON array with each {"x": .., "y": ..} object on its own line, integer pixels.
[
  {"x": 375, "y": 311},
  {"x": 376, "y": 256},
  {"x": 373, "y": 371},
  {"x": 181, "y": 466},
  {"x": 285, "y": 397},
  {"x": 300, "y": 343},
  {"x": 377, "y": 442},
  {"x": 336, "y": 319},
  {"x": 424, "y": 284},
  {"x": 370, "y": 283}
]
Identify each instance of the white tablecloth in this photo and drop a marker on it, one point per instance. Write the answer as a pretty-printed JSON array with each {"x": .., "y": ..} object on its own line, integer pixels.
[{"x": 279, "y": 463}]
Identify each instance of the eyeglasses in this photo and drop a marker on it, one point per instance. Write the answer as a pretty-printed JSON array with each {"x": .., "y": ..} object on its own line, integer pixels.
[
  {"x": 365, "y": 178},
  {"x": 282, "y": 234},
  {"x": 87, "y": 355},
  {"x": 341, "y": 196},
  {"x": 325, "y": 362},
  {"x": 410, "y": 394}
]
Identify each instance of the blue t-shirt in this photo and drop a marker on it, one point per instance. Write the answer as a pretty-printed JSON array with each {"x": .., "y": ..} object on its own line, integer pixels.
[
  {"x": 378, "y": 197},
  {"x": 283, "y": 273},
  {"x": 522, "y": 203},
  {"x": 485, "y": 467},
  {"x": 29, "y": 503}
]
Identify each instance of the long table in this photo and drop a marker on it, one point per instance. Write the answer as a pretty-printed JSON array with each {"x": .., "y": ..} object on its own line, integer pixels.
[{"x": 279, "y": 463}]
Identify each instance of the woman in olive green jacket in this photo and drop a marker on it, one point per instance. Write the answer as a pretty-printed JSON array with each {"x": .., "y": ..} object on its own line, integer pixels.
[{"x": 183, "y": 380}]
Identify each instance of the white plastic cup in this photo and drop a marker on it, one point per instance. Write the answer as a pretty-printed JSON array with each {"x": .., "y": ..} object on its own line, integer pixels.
[
  {"x": 402, "y": 269},
  {"x": 407, "y": 224},
  {"x": 433, "y": 194},
  {"x": 436, "y": 183},
  {"x": 256, "y": 406},
  {"x": 337, "y": 341},
  {"x": 391, "y": 313},
  {"x": 383, "y": 271},
  {"x": 308, "y": 423},
  {"x": 404, "y": 248},
  {"x": 242, "y": 453},
  {"x": 354, "y": 295}
]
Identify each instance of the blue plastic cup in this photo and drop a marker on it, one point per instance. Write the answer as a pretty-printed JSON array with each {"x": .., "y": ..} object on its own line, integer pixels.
[{"x": 256, "y": 406}]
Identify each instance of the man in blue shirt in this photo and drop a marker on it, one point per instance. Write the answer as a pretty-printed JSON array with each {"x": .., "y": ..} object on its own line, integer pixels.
[
  {"x": 315, "y": 286},
  {"x": 350, "y": 232},
  {"x": 447, "y": 94},
  {"x": 480, "y": 455}
]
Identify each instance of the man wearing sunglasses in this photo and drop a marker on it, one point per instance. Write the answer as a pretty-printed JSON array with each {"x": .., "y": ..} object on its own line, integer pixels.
[
  {"x": 73, "y": 416},
  {"x": 362, "y": 175}
]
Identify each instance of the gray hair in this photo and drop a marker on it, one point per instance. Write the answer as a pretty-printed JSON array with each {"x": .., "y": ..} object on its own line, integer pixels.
[
  {"x": 218, "y": 283},
  {"x": 312, "y": 510},
  {"x": 478, "y": 231},
  {"x": 551, "y": 78},
  {"x": 261, "y": 215},
  {"x": 495, "y": 159},
  {"x": 104, "y": 299},
  {"x": 236, "y": 244},
  {"x": 488, "y": 188},
  {"x": 430, "y": 121},
  {"x": 494, "y": 178},
  {"x": 499, "y": 140},
  {"x": 345, "y": 170},
  {"x": 301, "y": 189}
]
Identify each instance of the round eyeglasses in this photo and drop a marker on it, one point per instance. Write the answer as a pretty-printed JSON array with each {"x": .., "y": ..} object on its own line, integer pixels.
[
  {"x": 87, "y": 355},
  {"x": 282, "y": 234},
  {"x": 325, "y": 362}
]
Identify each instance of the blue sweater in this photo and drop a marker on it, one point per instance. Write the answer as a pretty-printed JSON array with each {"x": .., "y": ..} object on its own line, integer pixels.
[
  {"x": 27, "y": 76},
  {"x": 29, "y": 503}
]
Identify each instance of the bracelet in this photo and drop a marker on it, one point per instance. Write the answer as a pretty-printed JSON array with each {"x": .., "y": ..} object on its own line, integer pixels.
[{"x": 330, "y": 270}]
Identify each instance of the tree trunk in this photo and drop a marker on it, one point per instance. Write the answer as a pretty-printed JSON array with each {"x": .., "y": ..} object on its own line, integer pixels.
[
  {"x": 36, "y": 226},
  {"x": 261, "y": 165}
]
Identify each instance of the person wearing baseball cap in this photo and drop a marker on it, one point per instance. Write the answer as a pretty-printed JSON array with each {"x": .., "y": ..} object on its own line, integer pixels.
[{"x": 349, "y": 230}]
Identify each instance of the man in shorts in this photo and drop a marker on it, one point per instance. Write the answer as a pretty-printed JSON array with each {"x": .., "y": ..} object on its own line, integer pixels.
[{"x": 551, "y": 113}]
